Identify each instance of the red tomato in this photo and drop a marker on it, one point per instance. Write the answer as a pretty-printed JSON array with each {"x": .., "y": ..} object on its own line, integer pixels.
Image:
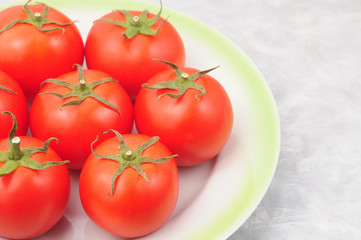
[
  {"x": 76, "y": 126},
  {"x": 34, "y": 195},
  {"x": 12, "y": 99},
  {"x": 134, "y": 205},
  {"x": 193, "y": 126},
  {"x": 29, "y": 55},
  {"x": 130, "y": 60}
]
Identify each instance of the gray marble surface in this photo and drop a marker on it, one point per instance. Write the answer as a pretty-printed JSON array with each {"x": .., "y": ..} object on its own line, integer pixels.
[{"x": 310, "y": 55}]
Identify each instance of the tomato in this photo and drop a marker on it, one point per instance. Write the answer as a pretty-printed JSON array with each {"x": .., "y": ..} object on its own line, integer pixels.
[
  {"x": 125, "y": 47},
  {"x": 194, "y": 122},
  {"x": 30, "y": 55},
  {"x": 81, "y": 114},
  {"x": 12, "y": 99},
  {"x": 129, "y": 185},
  {"x": 34, "y": 186}
]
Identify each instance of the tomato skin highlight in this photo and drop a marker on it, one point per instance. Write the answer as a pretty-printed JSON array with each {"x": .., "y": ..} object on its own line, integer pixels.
[
  {"x": 131, "y": 60},
  {"x": 32, "y": 201},
  {"x": 31, "y": 56},
  {"x": 77, "y": 126},
  {"x": 15, "y": 103},
  {"x": 137, "y": 207},
  {"x": 196, "y": 130}
]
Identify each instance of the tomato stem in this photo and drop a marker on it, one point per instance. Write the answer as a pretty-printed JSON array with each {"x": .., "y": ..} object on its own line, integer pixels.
[
  {"x": 15, "y": 152},
  {"x": 130, "y": 158},
  {"x": 128, "y": 154},
  {"x": 185, "y": 75},
  {"x": 82, "y": 84},
  {"x": 82, "y": 90},
  {"x": 135, "y": 25},
  {"x": 16, "y": 157},
  {"x": 6, "y": 89},
  {"x": 181, "y": 83},
  {"x": 38, "y": 20}
]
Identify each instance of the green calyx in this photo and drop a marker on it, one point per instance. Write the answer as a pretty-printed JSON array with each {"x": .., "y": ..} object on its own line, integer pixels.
[
  {"x": 7, "y": 90},
  {"x": 15, "y": 156},
  {"x": 135, "y": 25},
  {"x": 182, "y": 83},
  {"x": 37, "y": 19},
  {"x": 130, "y": 158},
  {"x": 81, "y": 90}
]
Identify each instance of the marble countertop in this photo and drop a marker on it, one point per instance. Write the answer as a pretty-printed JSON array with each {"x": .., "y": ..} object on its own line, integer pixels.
[{"x": 310, "y": 55}]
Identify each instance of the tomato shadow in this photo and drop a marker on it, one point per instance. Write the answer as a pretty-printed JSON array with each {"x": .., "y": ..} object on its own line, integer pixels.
[
  {"x": 191, "y": 183},
  {"x": 94, "y": 232},
  {"x": 62, "y": 230},
  {"x": 75, "y": 209}
]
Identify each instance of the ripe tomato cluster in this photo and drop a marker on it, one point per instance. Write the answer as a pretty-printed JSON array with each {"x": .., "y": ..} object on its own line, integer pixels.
[{"x": 83, "y": 119}]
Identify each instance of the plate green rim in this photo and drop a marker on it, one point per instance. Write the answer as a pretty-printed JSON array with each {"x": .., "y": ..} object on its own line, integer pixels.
[{"x": 264, "y": 109}]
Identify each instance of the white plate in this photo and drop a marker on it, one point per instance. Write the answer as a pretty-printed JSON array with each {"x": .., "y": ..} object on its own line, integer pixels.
[{"x": 217, "y": 197}]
